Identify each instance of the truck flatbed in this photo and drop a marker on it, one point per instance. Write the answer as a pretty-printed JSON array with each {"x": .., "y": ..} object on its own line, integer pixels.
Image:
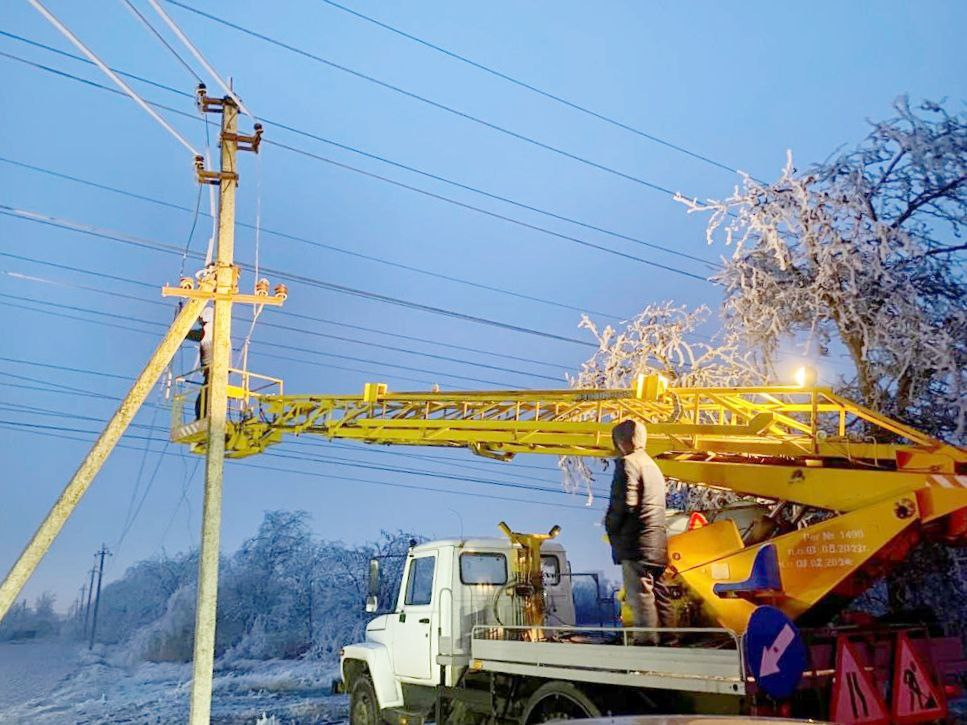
[{"x": 581, "y": 654}]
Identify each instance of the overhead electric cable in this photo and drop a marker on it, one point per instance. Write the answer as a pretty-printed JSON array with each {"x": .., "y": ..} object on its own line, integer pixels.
[
  {"x": 173, "y": 26},
  {"x": 154, "y": 31},
  {"x": 321, "y": 245},
  {"x": 112, "y": 75},
  {"x": 76, "y": 308},
  {"x": 288, "y": 313},
  {"x": 413, "y": 169},
  {"x": 45, "y": 430},
  {"x": 439, "y": 197},
  {"x": 424, "y": 99},
  {"x": 110, "y": 235},
  {"x": 487, "y": 212},
  {"x": 303, "y": 458},
  {"x": 523, "y": 84},
  {"x": 272, "y": 325},
  {"x": 492, "y": 467}
]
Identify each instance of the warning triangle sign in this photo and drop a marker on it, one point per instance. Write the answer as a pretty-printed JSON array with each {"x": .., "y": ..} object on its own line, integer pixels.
[
  {"x": 696, "y": 521},
  {"x": 915, "y": 696},
  {"x": 856, "y": 699}
]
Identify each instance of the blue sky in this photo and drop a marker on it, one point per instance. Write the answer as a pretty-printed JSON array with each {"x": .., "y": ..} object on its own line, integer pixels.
[{"x": 739, "y": 83}]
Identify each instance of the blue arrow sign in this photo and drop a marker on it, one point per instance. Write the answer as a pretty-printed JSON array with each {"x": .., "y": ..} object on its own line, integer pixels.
[{"x": 774, "y": 652}]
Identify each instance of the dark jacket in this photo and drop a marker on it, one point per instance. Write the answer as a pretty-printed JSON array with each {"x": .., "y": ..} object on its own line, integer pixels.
[{"x": 635, "y": 521}]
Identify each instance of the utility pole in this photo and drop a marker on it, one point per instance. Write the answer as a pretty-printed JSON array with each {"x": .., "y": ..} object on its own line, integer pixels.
[
  {"x": 90, "y": 592},
  {"x": 80, "y": 603},
  {"x": 97, "y": 600},
  {"x": 226, "y": 288}
]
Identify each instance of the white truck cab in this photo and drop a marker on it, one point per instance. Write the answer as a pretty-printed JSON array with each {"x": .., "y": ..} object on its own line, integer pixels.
[{"x": 448, "y": 588}]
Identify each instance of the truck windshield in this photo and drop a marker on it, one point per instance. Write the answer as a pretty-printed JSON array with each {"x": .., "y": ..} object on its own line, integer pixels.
[{"x": 483, "y": 568}]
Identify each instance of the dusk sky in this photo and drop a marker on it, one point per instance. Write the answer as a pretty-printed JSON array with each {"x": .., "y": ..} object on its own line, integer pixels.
[{"x": 736, "y": 83}]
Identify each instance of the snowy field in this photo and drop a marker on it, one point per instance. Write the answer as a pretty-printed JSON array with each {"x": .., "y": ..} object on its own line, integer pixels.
[{"x": 54, "y": 682}]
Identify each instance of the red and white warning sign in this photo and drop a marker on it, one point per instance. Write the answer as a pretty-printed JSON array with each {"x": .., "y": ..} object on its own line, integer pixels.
[
  {"x": 916, "y": 698},
  {"x": 856, "y": 699}
]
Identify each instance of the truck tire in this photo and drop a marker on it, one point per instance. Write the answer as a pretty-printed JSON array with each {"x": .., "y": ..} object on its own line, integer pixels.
[
  {"x": 363, "y": 706},
  {"x": 558, "y": 700}
]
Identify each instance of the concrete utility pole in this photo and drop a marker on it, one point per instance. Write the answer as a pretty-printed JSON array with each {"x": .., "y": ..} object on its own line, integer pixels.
[
  {"x": 226, "y": 288},
  {"x": 97, "y": 599},
  {"x": 87, "y": 609},
  {"x": 80, "y": 603},
  {"x": 47, "y": 531}
]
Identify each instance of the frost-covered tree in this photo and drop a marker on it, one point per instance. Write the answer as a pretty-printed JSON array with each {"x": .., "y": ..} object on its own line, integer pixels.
[
  {"x": 662, "y": 338},
  {"x": 862, "y": 253}
]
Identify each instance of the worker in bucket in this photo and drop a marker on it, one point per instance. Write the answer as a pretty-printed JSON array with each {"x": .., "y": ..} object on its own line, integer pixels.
[
  {"x": 203, "y": 336},
  {"x": 635, "y": 523}
]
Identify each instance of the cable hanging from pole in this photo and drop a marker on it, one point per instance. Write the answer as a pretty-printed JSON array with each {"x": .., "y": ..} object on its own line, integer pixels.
[{"x": 65, "y": 31}]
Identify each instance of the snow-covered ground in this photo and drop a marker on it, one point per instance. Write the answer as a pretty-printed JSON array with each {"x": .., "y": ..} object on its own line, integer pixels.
[{"x": 53, "y": 682}]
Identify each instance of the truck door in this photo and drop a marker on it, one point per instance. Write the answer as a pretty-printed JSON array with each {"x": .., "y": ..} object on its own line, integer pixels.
[{"x": 415, "y": 625}]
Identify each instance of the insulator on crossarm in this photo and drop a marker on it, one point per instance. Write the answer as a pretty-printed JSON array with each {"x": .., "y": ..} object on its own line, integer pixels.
[
  {"x": 186, "y": 283},
  {"x": 262, "y": 287},
  {"x": 281, "y": 291}
]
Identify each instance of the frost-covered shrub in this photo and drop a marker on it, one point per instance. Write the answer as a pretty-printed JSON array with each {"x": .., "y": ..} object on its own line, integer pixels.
[
  {"x": 26, "y": 622},
  {"x": 142, "y": 595},
  {"x": 283, "y": 594},
  {"x": 169, "y": 638}
]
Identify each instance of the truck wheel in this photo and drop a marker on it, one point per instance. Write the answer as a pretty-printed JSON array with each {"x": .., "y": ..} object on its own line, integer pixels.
[
  {"x": 558, "y": 700},
  {"x": 363, "y": 707}
]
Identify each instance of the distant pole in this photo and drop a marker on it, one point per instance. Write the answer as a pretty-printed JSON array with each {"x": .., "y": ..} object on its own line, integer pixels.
[
  {"x": 97, "y": 599},
  {"x": 80, "y": 602},
  {"x": 90, "y": 592}
]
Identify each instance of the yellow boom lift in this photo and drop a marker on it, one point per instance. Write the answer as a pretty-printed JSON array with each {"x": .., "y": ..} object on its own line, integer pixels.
[{"x": 790, "y": 445}]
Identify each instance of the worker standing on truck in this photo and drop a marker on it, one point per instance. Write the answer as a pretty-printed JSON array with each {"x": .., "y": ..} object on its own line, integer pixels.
[
  {"x": 203, "y": 336},
  {"x": 635, "y": 523}
]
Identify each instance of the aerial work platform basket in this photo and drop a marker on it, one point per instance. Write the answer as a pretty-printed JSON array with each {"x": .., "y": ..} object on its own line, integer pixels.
[{"x": 245, "y": 393}]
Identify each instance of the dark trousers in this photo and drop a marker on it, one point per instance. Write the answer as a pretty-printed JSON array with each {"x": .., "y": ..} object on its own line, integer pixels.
[
  {"x": 648, "y": 598},
  {"x": 201, "y": 405}
]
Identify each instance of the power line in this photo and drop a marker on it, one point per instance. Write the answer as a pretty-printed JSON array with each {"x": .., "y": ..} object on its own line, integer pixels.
[
  {"x": 274, "y": 325},
  {"x": 87, "y": 310},
  {"x": 15, "y": 425},
  {"x": 311, "y": 318},
  {"x": 57, "y": 432},
  {"x": 318, "y": 244},
  {"x": 424, "y": 99},
  {"x": 173, "y": 26},
  {"x": 493, "y": 467},
  {"x": 65, "y": 31},
  {"x": 535, "y": 89},
  {"x": 481, "y": 210},
  {"x": 428, "y": 194},
  {"x": 154, "y": 31},
  {"x": 115, "y": 236},
  {"x": 407, "y": 167}
]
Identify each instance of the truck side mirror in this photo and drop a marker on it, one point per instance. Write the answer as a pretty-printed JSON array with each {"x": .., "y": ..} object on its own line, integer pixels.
[{"x": 372, "y": 598}]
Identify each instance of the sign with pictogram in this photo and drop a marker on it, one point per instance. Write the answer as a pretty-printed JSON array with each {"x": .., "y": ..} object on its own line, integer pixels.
[
  {"x": 916, "y": 698},
  {"x": 856, "y": 699},
  {"x": 774, "y": 651}
]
